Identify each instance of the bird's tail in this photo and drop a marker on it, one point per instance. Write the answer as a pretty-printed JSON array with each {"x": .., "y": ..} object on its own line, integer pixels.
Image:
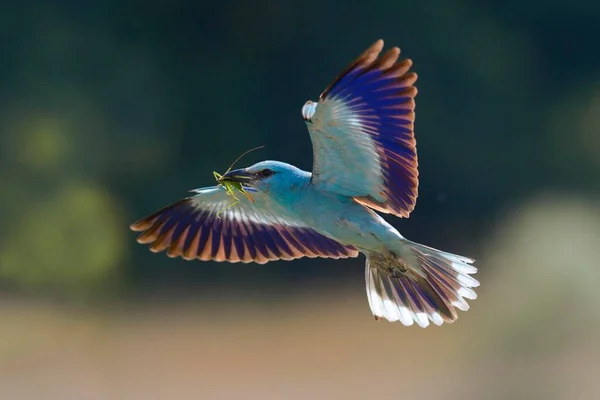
[{"x": 420, "y": 285}]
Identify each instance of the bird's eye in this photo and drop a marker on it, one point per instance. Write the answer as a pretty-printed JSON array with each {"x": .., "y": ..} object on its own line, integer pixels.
[{"x": 265, "y": 173}]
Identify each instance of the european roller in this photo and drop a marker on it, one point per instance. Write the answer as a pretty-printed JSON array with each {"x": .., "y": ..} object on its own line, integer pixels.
[{"x": 364, "y": 162}]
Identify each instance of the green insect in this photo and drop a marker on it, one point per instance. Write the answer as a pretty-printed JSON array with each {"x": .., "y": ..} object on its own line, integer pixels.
[{"x": 231, "y": 187}]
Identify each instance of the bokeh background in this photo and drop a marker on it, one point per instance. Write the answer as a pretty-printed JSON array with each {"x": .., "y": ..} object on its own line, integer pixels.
[{"x": 112, "y": 109}]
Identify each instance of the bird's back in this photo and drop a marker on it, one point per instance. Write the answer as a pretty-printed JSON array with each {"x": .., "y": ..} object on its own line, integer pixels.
[{"x": 341, "y": 218}]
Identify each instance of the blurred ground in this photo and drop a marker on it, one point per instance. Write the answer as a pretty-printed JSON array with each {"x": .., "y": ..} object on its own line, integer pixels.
[{"x": 305, "y": 349}]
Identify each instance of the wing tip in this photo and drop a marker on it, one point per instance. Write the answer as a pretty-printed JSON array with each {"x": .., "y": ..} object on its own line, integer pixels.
[
  {"x": 370, "y": 59},
  {"x": 377, "y": 46},
  {"x": 142, "y": 224},
  {"x": 146, "y": 223}
]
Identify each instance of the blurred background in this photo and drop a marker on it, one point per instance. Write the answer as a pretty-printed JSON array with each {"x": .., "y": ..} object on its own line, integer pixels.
[{"x": 112, "y": 109}]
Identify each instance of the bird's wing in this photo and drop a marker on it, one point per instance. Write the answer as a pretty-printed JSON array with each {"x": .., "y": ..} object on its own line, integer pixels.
[
  {"x": 362, "y": 133},
  {"x": 245, "y": 232}
]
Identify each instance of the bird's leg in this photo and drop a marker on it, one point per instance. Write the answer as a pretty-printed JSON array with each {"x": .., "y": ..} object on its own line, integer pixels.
[
  {"x": 389, "y": 263},
  {"x": 396, "y": 266}
]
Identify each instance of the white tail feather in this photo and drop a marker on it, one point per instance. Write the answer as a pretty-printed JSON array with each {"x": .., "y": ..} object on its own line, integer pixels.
[{"x": 433, "y": 294}]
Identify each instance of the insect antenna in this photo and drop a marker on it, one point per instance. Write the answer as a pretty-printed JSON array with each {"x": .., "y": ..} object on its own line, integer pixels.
[{"x": 240, "y": 157}]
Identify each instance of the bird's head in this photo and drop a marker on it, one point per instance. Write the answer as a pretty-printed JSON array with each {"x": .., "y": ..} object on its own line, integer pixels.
[{"x": 269, "y": 177}]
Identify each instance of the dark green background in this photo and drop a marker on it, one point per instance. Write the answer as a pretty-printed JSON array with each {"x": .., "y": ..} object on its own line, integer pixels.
[{"x": 110, "y": 110}]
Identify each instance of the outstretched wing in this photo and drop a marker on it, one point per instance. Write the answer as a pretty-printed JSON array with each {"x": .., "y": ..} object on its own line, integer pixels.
[
  {"x": 246, "y": 232},
  {"x": 362, "y": 133}
]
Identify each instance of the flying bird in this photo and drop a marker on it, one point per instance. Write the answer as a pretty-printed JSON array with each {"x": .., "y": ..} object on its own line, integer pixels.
[{"x": 364, "y": 162}]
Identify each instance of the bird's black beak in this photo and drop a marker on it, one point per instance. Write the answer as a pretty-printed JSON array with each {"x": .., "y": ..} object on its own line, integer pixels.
[{"x": 237, "y": 176}]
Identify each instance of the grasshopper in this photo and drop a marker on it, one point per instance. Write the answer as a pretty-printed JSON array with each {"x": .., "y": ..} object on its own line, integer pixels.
[{"x": 231, "y": 187}]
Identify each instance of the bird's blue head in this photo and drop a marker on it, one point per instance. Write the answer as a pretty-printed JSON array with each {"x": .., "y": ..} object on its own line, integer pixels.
[{"x": 273, "y": 178}]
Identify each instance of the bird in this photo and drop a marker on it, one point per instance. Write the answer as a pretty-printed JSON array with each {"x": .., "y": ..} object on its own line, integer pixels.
[{"x": 364, "y": 164}]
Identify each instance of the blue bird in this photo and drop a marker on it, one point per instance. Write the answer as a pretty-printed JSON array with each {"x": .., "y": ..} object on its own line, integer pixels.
[{"x": 365, "y": 160}]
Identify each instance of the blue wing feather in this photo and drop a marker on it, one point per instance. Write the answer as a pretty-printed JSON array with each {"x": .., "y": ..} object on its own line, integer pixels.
[
  {"x": 366, "y": 116},
  {"x": 245, "y": 232}
]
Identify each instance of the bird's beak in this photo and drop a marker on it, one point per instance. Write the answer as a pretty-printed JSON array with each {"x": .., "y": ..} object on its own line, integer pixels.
[{"x": 238, "y": 176}]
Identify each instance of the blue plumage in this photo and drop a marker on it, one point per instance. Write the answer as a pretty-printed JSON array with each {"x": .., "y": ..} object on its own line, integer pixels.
[
  {"x": 365, "y": 159},
  {"x": 380, "y": 97}
]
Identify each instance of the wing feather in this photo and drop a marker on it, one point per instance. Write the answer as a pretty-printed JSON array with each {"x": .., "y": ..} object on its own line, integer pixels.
[
  {"x": 362, "y": 132},
  {"x": 246, "y": 232}
]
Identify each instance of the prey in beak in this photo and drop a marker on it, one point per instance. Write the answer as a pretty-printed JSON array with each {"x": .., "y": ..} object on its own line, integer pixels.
[
  {"x": 240, "y": 176},
  {"x": 232, "y": 181}
]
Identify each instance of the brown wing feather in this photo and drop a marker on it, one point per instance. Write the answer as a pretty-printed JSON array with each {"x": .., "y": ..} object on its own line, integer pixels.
[{"x": 186, "y": 231}]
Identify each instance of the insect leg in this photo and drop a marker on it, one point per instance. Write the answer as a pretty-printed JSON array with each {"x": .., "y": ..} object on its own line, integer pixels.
[{"x": 231, "y": 205}]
